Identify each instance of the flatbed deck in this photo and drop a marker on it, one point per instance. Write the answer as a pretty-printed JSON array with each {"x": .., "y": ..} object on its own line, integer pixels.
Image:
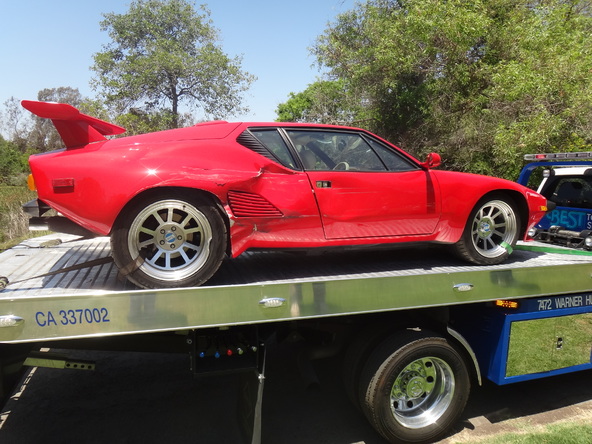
[{"x": 41, "y": 303}]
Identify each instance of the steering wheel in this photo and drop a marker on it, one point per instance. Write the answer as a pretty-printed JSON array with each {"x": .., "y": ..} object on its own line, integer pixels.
[{"x": 341, "y": 166}]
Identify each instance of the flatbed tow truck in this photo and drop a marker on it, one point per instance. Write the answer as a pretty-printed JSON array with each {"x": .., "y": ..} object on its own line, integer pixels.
[{"x": 415, "y": 327}]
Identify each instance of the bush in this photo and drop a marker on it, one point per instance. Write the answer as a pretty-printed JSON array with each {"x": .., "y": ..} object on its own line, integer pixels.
[
  {"x": 13, "y": 164},
  {"x": 13, "y": 221}
]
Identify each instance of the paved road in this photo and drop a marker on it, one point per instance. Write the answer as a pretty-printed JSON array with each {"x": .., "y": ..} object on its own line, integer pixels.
[{"x": 146, "y": 398}]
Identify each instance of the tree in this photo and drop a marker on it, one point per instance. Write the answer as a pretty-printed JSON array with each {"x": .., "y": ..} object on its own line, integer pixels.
[
  {"x": 138, "y": 121},
  {"x": 15, "y": 123},
  {"x": 13, "y": 163},
  {"x": 164, "y": 53},
  {"x": 33, "y": 134},
  {"x": 321, "y": 102},
  {"x": 483, "y": 82}
]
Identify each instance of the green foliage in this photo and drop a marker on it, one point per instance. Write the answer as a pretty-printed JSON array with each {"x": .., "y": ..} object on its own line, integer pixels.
[
  {"x": 482, "y": 82},
  {"x": 13, "y": 222},
  {"x": 321, "y": 102},
  {"x": 164, "y": 52},
  {"x": 13, "y": 164},
  {"x": 137, "y": 121}
]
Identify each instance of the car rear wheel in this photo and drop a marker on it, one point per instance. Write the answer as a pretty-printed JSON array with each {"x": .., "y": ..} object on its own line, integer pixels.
[
  {"x": 165, "y": 241},
  {"x": 491, "y": 231}
]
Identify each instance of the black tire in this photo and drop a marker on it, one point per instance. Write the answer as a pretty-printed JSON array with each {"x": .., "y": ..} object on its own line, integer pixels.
[
  {"x": 356, "y": 356},
  {"x": 169, "y": 240},
  {"x": 414, "y": 387},
  {"x": 491, "y": 231}
]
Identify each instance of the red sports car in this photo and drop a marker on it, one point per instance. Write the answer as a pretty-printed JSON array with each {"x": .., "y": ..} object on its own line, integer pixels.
[{"x": 176, "y": 202}]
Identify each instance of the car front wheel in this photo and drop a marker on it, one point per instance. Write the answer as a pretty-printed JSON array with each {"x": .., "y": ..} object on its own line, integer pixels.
[
  {"x": 491, "y": 231},
  {"x": 169, "y": 241}
]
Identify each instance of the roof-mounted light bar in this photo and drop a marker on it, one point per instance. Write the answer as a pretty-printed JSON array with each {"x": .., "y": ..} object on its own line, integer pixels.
[{"x": 559, "y": 156}]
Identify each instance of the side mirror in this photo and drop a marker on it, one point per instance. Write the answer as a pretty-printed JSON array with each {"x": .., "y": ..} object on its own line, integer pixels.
[{"x": 433, "y": 160}]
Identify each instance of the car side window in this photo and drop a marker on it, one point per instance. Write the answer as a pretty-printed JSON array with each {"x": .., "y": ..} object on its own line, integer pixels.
[
  {"x": 334, "y": 150},
  {"x": 273, "y": 141},
  {"x": 393, "y": 161}
]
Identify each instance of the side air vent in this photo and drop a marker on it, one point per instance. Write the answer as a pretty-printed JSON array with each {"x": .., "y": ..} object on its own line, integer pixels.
[
  {"x": 246, "y": 139},
  {"x": 251, "y": 205}
]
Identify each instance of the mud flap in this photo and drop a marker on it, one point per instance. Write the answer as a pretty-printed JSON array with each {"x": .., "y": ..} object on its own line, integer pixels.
[{"x": 250, "y": 406}]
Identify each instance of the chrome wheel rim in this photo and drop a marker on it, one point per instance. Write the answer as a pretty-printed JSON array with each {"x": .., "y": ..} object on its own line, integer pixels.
[
  {"x": 493, "y": 228},
  {"x": 172, "y": 238},
  {"x": 422, "y": 392}
]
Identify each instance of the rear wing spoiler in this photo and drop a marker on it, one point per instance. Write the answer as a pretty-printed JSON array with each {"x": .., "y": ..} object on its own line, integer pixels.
[{"x": 75, "y": 128}]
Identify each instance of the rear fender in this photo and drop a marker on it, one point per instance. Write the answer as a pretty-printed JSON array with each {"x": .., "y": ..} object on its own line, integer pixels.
[{"x": 199, "y": 194}]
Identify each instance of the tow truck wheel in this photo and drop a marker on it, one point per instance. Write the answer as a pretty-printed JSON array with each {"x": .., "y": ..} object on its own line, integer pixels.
[
  {"x": 414, "y": 387},
  {"x": 491, "y": 231},
  {"x": 168, "y": 241}
]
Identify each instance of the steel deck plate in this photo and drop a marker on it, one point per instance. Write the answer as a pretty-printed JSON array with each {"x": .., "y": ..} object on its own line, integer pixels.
[
  {"x": 258, "y": 287},
  {"x": 26, "y": 265}
]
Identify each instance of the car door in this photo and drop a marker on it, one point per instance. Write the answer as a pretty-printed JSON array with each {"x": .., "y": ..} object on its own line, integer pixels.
[{"x": 364, "y": 188}]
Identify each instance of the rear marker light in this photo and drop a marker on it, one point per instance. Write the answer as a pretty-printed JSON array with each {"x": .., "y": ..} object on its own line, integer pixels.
[{"x": 65, "y": 185}]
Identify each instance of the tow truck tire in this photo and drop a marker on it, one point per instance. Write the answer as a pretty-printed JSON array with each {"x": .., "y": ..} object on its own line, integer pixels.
[
  {"x": 356, "y": 356},
  {"x": 169, "y": 240},
  {"x": 492, "y": 230},
  {"x": 414, "y": 387}
]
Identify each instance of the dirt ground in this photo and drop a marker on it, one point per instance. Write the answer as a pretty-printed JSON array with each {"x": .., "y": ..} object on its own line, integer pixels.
[{"x": 150, "y": 398}]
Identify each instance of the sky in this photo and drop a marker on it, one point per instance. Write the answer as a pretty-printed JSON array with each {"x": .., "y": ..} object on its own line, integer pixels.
[{"x": 48, "y": 44}]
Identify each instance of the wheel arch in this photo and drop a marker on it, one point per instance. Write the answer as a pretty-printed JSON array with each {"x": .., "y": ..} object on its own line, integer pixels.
[
  {"x": 193, "y": 192},
  {"x": 469, "y": 354},
  {"x": 518, "y": 200},
  {"x": 367, "y": 335},
  {"x": 436, "y": 399}
]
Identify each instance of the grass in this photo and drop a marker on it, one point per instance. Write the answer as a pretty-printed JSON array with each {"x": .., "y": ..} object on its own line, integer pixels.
[
  {"x": 13, "y": 221},
  {"x": 568, "y": 432}
]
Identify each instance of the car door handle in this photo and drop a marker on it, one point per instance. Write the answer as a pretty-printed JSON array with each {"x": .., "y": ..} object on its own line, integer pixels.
[{"x": 323, "y": 184}]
